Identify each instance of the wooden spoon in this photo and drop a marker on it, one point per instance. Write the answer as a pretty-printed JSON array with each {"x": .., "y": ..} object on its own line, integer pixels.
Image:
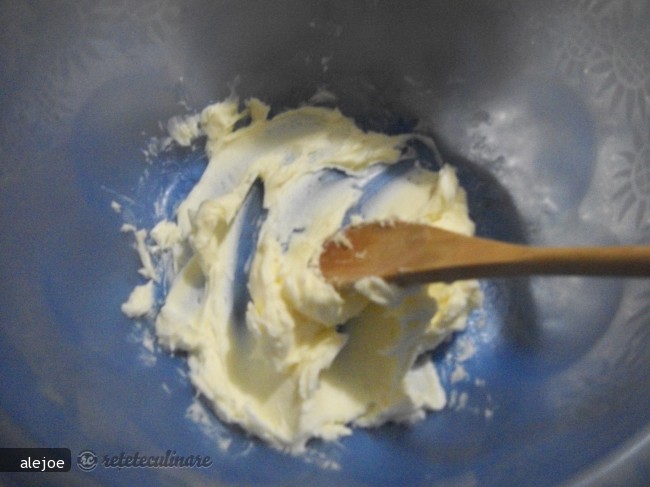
[{"x": 408, "y": 253}]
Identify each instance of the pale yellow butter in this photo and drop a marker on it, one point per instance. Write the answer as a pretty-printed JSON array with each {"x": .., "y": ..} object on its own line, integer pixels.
[
  {"x": 304, "y": 360},
  {"x": 140, "y": 301}
]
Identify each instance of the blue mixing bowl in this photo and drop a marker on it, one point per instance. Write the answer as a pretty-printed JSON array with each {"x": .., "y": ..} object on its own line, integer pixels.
[{"x": 543, "y": 108}]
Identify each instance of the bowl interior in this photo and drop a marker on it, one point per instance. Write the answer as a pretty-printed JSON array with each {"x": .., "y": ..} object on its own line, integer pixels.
[{"x": 544, "y": 112}]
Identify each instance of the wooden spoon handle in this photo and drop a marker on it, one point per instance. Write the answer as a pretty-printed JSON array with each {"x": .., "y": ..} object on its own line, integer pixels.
[
  {"x": 412, "y": 254},
  {"x": 597, "y": 261},
  {"x": 518, "y": 260}
]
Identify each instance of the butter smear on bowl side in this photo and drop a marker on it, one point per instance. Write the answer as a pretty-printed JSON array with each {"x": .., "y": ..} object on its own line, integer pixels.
[{"x": 270, "y": 344}]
